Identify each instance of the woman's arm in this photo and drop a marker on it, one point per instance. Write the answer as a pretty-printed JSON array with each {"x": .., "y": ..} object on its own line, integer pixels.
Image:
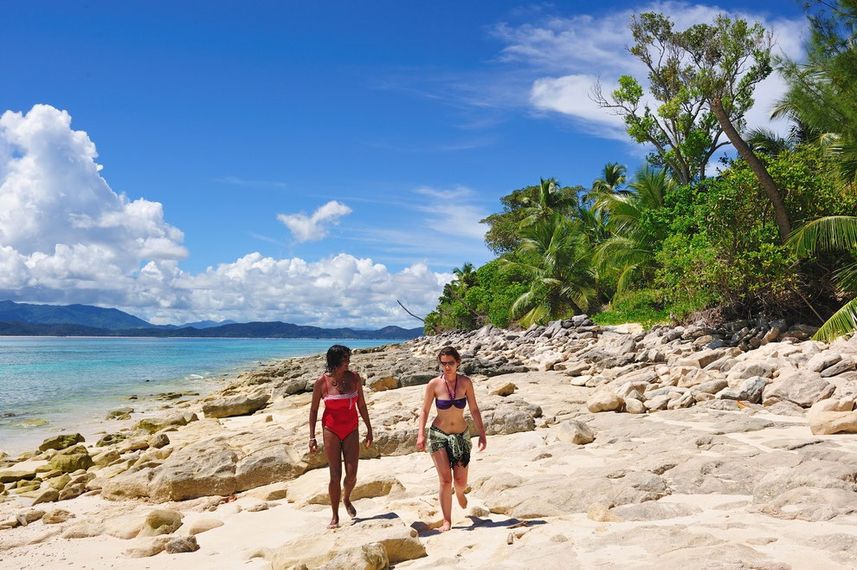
[
  {"x": 364, "y": 411},
  {"x": 428, "y": 396},
  {"x": 477, "y": 415},
  {"x": 313, "y": 414}
]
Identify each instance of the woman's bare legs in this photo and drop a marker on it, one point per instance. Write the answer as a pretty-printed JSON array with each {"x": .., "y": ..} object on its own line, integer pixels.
[
  {"x": 351, "y": 452},
  {"x": 333, "y": 451},
  {"x": 459, "y": 480},
  {"x": 444, "y": 476}
]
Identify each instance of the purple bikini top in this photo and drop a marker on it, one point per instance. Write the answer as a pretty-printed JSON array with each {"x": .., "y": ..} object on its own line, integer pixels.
[{"x": 446, "y": 404}]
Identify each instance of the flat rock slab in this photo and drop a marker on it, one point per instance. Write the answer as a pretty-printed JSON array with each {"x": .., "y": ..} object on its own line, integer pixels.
[{"x": 400, "y": 543}]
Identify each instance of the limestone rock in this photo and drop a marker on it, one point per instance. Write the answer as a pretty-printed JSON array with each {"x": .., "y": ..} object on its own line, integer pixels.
[
  {"x": 198, "y": 470},
  {"x": 605, "y": 401},
  {"x": 71, "y": 459},
  {"x": 506, "y": 389},
  {"x": 823, "y": 360},
  {"x": 366, "y": 557},
  {"x": 120, "y": 413},
  {"x": 61, "y": 441},
  {"x": 149, "y": 546},
  {"x": 801, "y": 388},
  {"x": 383, "y": 383},
  {"x": 510, "y": 416},
  {"x": 161, "y": 521},
  {"x": 16, "y": 474},
  {"x": 158, "y": 440},
  {"x": 202, "y": 525},
  {"x": 400, "y": 543},
  {"x": 179, "y": 544},
  {"x": 47, "y": 496},
  {"x": 749, "y": 390},
  {"x": 152, "y": 425},
  {"x": 57, "y": 516},
  {"x": 825, "y": 423},
  {"x": 239, "y": 405},
  {"x": 576, "y": 432}
]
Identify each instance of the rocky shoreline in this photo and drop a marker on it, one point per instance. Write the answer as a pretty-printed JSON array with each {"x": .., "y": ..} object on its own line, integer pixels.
[{"x": 608, "y": 447}]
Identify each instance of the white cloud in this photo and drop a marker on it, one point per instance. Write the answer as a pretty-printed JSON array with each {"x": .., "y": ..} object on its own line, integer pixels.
[
  {"x": 314, "y": 227},
  {"x": 451, "y": 212},
  {"x": 51, "y": 192},
  {"x": 66, "y": 237},
  {"x": 569, "y": 55},
  {"x": 341, "y": 290}
]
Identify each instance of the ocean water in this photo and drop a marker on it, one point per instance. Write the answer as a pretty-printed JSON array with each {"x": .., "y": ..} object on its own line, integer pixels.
[{"x": 50, "y": 385}]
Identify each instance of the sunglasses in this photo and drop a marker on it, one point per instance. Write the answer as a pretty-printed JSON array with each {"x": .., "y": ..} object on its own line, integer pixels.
[{"x": 448, "y": 363}]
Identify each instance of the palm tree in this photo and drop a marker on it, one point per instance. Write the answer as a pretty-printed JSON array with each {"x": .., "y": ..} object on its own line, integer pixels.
[
  {"x": 634, "y": 237},
  {"x": 554, "y": 258},
  {"x": 832, "y": 233},
  {"x": 823, "y": 91},
  {"x": 549, "y": 198},
  {"x": 612, "y": 178}
]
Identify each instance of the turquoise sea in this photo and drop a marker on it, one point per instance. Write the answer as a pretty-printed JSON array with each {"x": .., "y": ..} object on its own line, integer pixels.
[{"x": 71, "y": 382}]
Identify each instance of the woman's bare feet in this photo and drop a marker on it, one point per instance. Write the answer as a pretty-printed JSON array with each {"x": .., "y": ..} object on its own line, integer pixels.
[
  {"x": 349, "y": 508},
  {"x": 462, "y": 499},
  {"x": 445, "y": 526},
  {"x": 334, "y": 523}
]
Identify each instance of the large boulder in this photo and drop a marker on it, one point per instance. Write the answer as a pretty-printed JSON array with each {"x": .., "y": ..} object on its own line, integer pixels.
[
  {"x": 509, "y": 416},
  {"x": 71, "y": 459},
  {"x": 800, "y": 387},
  {"x": 198, "y": 470},
  {"x": 238, "y": 405},
  {"x": 268, "y": 465}
]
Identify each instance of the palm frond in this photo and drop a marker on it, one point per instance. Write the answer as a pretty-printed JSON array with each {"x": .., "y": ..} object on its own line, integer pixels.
[
  {"x": 841, "y": 323},
  {"x": 825, "y": 234},
  {"x": 846, "y": 277}
]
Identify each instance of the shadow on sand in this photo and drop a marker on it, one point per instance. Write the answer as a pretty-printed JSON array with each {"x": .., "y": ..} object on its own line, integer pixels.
[{"x": 475, "y": 523}]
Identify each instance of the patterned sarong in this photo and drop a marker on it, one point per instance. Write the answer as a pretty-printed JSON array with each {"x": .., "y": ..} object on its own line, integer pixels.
[{"x": 457, "y": 445}]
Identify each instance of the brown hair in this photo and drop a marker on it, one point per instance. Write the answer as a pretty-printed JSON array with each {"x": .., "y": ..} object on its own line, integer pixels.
[{"x": 449, "y": 351}]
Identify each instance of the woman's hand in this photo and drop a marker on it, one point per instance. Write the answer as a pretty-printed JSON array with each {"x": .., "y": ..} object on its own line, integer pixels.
[
  {"x": 367, "y": 443},
  {"x": 313, "y": 445},
  {"x": 421, "y": 442},
  {"x": 482, "y": 442}
]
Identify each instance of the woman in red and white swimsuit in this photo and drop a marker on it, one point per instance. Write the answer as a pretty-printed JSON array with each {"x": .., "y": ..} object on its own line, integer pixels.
[{"x": 342, "y": 392}]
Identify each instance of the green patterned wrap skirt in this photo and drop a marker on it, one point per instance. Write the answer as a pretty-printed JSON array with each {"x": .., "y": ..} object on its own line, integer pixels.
[{"x": 457, "y": 445}]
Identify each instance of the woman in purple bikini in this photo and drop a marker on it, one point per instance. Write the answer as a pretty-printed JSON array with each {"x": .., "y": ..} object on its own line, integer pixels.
[
  {"x": 448, "y": 436},
  {"x": 342, "y": 392}
]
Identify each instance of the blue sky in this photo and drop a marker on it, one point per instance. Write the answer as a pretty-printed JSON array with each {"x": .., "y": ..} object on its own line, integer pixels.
[{"x": 301, "y": 161}]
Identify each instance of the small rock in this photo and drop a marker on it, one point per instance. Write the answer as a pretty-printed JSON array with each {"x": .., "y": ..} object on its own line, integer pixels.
[
  {"x": 57, "y": 516},
  {"x": 179, "y": 544}
]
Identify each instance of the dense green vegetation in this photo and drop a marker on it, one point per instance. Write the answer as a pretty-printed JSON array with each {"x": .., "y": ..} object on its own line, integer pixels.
[{"x": 772, "y": 234}]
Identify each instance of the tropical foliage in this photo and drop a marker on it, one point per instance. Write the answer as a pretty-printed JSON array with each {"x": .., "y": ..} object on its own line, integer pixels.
[{"x": 682, "y": 234}]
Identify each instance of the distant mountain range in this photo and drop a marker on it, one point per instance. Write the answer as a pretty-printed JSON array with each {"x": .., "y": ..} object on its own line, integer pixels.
[{"x": 24, "y": 319}]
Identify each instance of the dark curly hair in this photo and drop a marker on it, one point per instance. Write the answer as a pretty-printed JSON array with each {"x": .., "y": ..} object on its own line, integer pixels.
[{"x": 336, "y": 355}]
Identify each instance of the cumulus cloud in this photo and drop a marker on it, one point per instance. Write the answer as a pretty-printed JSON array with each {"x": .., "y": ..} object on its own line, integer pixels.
[
  {"x": 341, "y": 290},
  {"x": 570, "y": 55},
  {"x": 62, "y": 228},
  {"x": 314, "y": 227},
  {"x": 67, "y": 237}
]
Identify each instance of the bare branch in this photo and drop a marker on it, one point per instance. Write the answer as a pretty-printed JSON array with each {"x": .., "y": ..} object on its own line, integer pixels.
[{"x": 410, "y": 313}]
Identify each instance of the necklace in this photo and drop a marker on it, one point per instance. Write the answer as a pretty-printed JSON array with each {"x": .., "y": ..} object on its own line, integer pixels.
[
  {"x": 453, "y": 390},
  {"x": 338, "y": 384}
]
